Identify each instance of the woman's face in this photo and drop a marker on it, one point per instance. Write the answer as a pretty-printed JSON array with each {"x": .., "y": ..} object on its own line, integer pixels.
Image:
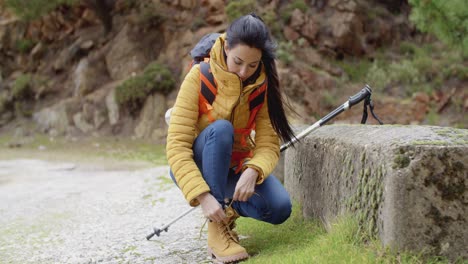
[{"x": 243, "y": 60}]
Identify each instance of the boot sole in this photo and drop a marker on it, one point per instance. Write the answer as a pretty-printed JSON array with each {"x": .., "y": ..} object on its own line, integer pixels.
[{"x": 228, "y": 259}]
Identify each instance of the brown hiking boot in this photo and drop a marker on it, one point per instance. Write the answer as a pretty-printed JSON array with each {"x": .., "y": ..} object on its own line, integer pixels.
[{"x": 223, "y": 242}]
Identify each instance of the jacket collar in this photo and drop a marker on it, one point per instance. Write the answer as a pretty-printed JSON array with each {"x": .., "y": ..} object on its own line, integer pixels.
[{"x": 218, "y": 66}]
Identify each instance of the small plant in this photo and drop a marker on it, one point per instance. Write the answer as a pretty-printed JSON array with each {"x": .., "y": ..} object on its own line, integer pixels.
[
  {"x": 356, "y": 70},
  {"x": 432, "y": 117},
  {"x": 21, "y": 86},
  {"x": 198, "y": 23},
  {"x": 236, "y": 9},
  {"x": 3, "y": 102},
  {"x": 444, "y": 19},
  {"x": 155, "y": 78},
  {"x": 33, "y": 9},
  {"x": 284, "y": 52},
  {"x": 329, "y": 100},
  {"x": 271, "y": 20},
  {"x": 296, "y": 4},
  {"x": 404, "y": 72},
  {"x": 151, "y": 13},
  {"x": 377, "y": 76},
  {"x": 24, "y": 45}
]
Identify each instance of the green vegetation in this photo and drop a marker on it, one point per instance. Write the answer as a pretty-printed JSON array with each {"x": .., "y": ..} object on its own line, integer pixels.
[
  {"x": 302, "y": 241},
  {"x": 21, "y": 86},
  {"x": 356, "y": 69},
  {"x": 448, "y": 20},
  {"x": 151, "y": 13},
  {"x": 156, "y": 78},
  {"x": 417, "y": 68},
  {"x": 296, "y": 4},
  {"x": 24, "y": 45},
  {"x": 236, "y": 9},
  {"x": 101, "y": 150},
  {"x": 285, "y": 52},
  {"x": 33, "y": 9},
  {"x": 271, "y": 20}
]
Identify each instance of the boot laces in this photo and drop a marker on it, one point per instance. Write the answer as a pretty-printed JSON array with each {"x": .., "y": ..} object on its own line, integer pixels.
[
  {"x": 228, "y": 233},
  {"x": 229, "y": 227}
]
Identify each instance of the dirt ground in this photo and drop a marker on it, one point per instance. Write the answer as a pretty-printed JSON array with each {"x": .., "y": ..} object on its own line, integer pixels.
[{"x": 71, "y": 212}]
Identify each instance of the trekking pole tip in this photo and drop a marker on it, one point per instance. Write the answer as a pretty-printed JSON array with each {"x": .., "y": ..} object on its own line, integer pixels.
[{"x": 156, "y": 231}]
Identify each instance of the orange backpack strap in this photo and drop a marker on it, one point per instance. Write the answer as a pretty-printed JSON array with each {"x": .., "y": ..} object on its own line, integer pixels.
[
  {"x": 208, "y": 90},
  {"x": 238, "y": 158},
  {"x": 256, "y": 100}
]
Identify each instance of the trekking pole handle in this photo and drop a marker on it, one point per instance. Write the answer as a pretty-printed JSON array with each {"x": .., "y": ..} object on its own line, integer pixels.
[{"x": 361, "y": 95}]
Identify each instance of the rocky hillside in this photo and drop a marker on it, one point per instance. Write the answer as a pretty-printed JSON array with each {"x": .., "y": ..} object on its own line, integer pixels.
[{"x": 86, "y": 70}]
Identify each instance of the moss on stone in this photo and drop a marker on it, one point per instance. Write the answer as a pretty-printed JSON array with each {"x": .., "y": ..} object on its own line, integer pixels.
[{"x": 401, "y": 161}]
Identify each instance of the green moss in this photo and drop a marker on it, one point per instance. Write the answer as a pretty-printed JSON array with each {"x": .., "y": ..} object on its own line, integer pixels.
[
  {"x": 24, "y": 45},
  {"x": 156, "y": 78},
  {"x": 21, "y": 86},
  {"x": 430, "y": 142},
  {"x": 285, "y": 52},
  {"x": 401, "y": 161},
  {"x": 286, "y": 13},
  {"x": 236, "y": 9},
  {"x": 271, "y": 20},
  {"x": 367, "y": 198},
  {"x": 33, "y": 9},
  {"x": 356, "y": 69}
]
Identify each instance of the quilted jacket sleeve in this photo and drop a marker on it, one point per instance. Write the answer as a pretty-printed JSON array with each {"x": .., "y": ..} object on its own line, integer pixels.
[
  {"x": 266, "y": 152},
  {"x": 181, "y": 135}
]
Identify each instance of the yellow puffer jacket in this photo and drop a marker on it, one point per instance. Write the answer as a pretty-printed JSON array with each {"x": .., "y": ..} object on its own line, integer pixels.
[{"x": 231, "y": 104}]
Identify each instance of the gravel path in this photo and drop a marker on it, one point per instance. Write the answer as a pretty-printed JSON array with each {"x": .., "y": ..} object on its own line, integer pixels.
[{"x": 68, "y": 213}]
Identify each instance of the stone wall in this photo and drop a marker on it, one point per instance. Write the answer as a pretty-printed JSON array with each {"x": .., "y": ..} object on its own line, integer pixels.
[{"x": 407, "y": 185}]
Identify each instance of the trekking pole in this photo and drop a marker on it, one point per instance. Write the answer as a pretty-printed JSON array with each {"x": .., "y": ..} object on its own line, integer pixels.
[
  {"x": 157, "y": 231},
  {"x": 364, "y": 94}
]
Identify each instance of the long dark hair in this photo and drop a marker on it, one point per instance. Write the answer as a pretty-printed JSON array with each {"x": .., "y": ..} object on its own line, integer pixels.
[{"x": 250, "y": 30}]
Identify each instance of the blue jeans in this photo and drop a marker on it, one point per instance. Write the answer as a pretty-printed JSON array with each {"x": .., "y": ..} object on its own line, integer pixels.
[{"x": 212, "y": 153}]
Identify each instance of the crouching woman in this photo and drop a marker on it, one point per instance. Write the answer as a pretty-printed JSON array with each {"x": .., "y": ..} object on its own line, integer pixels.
[{"x": 214, "y": 157}]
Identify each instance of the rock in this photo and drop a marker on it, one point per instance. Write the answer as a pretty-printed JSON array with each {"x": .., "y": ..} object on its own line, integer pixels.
[
  {"x": 290, "y": 34},
  {"x": 310, "y": 30},
  {"x": 99, "y": 118},
  {"x": 112, "y": 108},
  {"x": 406, "y": 184},
  {"x": 86, "y": 45},
  {"x": 125, "y": 56},
  {"x": 52, "y": 118},
  {"x": 215, "y": 12},
  {"x": 81, "y": 124},
  {"x": 347, "y": 30},
  {"x": 188, "y": 4},
  {"x": 344, "y": 6},
  {"x": 65, "y": 56},
  {"x": 297, "y": 19},
  {"x": 81, "y": 78},
  {"x": 151, "y": 116},
  {"x": 37, "y": 51}
]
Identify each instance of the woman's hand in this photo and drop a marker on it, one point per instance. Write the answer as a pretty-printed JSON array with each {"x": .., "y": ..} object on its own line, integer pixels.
[
  {"x": 211, "y": 208},
  {"x": 245, "y": 187}
]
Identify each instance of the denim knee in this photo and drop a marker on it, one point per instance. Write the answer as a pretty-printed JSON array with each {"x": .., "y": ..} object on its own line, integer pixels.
[
  {"x": 281, "y": 210},
  {"x": 223, "y": 131}
]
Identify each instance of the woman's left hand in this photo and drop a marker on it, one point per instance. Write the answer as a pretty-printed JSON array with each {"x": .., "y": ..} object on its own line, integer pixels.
[{"x": 245, "y": 187}]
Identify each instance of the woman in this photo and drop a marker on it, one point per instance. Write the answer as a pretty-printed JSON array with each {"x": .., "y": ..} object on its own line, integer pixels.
[{"x": 213, "y": 158}]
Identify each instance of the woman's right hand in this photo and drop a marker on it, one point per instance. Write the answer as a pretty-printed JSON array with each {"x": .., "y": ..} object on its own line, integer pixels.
[{"x": 211, "y": 208}]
